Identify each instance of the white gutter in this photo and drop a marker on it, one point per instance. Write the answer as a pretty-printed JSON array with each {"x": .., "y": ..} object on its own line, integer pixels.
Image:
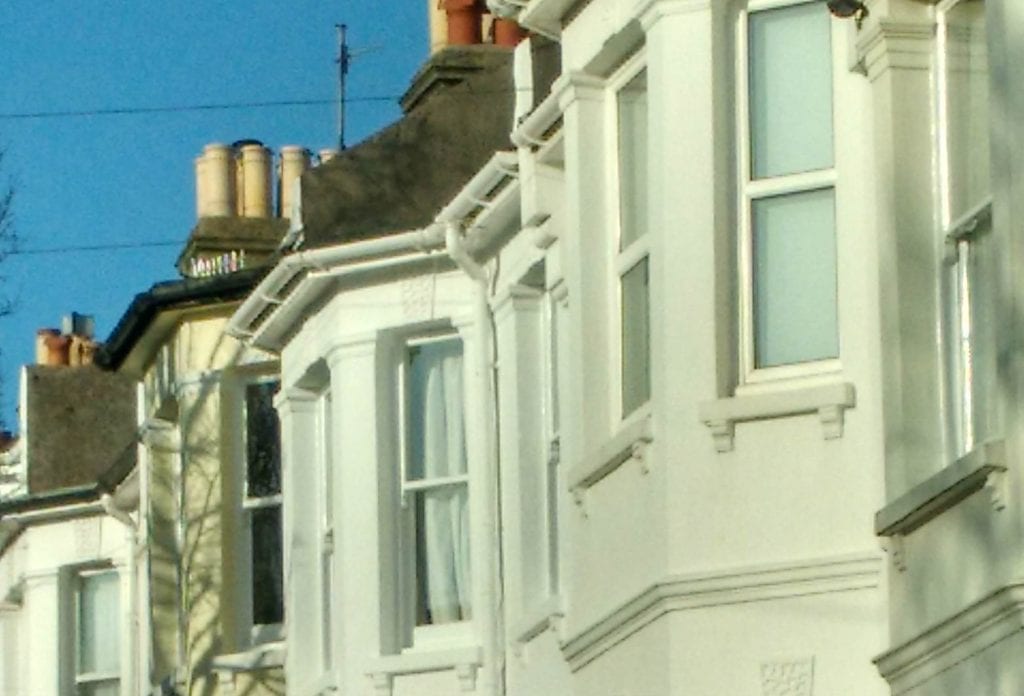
[
  {"x": 506, "y": 8},
  {"x": 531, "y": 132},
  {"x": 279, "y": 289},
  {"x": 473, "y": 195},
  {"x": 269, "y": 291}
]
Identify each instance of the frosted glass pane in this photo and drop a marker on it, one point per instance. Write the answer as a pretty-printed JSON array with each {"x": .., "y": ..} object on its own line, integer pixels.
[
  {"x": 632, "y": 108},
  {"x": 790, "y": 64},
  {"x": 795, "y": 317},
  {"x": 967, "y": 106},
  {"x": 636, "y": 338},
  {"x": 99, "y": 647}
]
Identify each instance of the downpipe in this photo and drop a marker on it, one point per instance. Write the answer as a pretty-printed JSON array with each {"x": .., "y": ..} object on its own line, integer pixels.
[{"x": 492, "y": 629}]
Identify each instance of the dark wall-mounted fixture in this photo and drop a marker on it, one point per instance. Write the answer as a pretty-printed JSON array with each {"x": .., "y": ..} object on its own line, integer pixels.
[{"x": 845, "y": 9}]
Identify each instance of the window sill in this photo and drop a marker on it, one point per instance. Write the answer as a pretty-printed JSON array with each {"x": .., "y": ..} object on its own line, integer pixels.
[
  {"x": 982, "y": 467},
  {"x": 545, "y": 615},
  {"x": 629, "y": 443},
  {"x": 465, "y": 661},
  {"x": 266, "y": 656},
  {"x": 829, "y": 401},
  {"x": 323, "y": 685}
]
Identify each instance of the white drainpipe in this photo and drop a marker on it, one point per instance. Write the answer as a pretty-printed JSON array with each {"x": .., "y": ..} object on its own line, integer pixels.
[
  {"x": 132, "y": 537},
  {"x": 491, "y": 628}
]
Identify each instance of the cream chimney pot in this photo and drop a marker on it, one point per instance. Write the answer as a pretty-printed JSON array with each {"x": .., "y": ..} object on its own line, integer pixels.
[
  {"x": 215, "y": 194},
  {"x": 254, "y": 165},
  {"x": 294, "y": 162}
]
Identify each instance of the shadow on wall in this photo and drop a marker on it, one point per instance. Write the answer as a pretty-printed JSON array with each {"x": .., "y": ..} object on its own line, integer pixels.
[{"x": 194, "y": 581}]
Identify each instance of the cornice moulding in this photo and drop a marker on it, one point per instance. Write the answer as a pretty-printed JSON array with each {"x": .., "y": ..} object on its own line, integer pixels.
[
  {"x": 977, "y": 627},
  {"x": 721, "y": 588},
  {"x": 886, "y": 44}
]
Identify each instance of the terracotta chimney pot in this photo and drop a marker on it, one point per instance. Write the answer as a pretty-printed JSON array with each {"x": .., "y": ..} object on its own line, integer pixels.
[
  {"x": 465, "y": 21},
  {"x": 507, "y": 32}
]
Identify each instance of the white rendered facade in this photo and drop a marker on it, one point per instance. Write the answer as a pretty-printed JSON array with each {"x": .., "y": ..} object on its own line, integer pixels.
[
  {"x": 688, "y": 513},
  {"x": 69, "y": 616}
]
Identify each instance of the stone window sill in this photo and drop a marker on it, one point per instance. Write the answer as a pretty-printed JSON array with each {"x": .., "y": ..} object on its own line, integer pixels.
[
  {"x": 829, "y": 401},
  {"x": 465, "y": 661},
  {"x": 629, "y": 443},
  {"x": 545, "y": 615},
  {"x": 982, "y": 467}
]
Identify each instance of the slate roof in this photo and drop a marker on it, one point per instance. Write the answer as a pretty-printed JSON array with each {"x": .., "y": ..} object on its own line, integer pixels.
[
  {"x": 81, "y": 427},
  {"x": 458, "y": 112}
]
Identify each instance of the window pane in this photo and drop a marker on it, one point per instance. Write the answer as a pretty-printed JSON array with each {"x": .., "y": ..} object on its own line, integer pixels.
[
  {"x": 263, "y": 440},
  {"x": 967, "y": 106},
  {"x": 636, "y": 333},
  {"x": 103, "y": 688},
  {"x": 267, "y": 563},
  {"x": 99, "y": 648},
  {"x": 975, "y": 340},
  {"x": 442, "y": 555},
  {"x": 632, "y": 136},
  {"x": 790, "y": 74},
  {"x": 795, "y": 317},
  {"x": 436, "y": 437}
]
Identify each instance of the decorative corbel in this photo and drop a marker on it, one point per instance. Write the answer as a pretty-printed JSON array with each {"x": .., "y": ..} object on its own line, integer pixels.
[
  {"x": 897, "y": 552},
  {"x": 997, "y": 487},
  {"x": 723, "y": 433},
  {"x": 832, "y": 420},
  {"x": 638, "y": 453},
  {"x": 466, "y": 672},
  {"x": 382, "y": 683}
]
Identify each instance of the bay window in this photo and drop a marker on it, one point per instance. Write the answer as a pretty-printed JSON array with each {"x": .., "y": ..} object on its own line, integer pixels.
[
  {"x": 632, "y": 259},
  {"x": 97, "y": 633},
  {"x": 962, "y": 74},
  {"x": 434, "y": 557},
  {"x": 262, "y": 511},
  {"x": 788, "y": 266}
]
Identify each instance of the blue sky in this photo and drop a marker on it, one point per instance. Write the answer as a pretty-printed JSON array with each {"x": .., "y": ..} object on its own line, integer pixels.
[{"x": 128, "y": 179}]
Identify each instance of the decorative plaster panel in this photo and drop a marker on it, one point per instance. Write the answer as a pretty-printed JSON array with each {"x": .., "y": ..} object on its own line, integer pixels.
[{"x": 788, "y": 677}]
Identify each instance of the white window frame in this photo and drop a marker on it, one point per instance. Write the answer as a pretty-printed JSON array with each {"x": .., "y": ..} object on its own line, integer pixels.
[
  {"x": 751, "y": 377},
  {"x": 624, "y": 259},
  {"x": 325, "y": 461},
  {"x": 258, "y": 633},
  {"x": 958, "y": 235},
  {"x": 418, "y": 637},
  {"x": 553, "y": 322},
  {"x": 89, "y": 679}
]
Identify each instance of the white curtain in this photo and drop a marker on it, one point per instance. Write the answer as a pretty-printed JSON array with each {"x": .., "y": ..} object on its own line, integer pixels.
[{"x": 445, "y": 520}]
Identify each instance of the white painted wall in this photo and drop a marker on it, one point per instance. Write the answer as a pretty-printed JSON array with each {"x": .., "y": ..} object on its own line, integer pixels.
[{"x": 37, "y": 621}]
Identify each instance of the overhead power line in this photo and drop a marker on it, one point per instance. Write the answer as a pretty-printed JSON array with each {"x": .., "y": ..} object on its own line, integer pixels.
[
  {"x": 90, "y": 247},
  {"x": 138, "y": 110},
  {"x": 225, "y": 106}
]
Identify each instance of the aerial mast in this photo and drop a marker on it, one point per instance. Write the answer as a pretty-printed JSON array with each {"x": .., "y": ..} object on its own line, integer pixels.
[{"x": 343, "y": 62}]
